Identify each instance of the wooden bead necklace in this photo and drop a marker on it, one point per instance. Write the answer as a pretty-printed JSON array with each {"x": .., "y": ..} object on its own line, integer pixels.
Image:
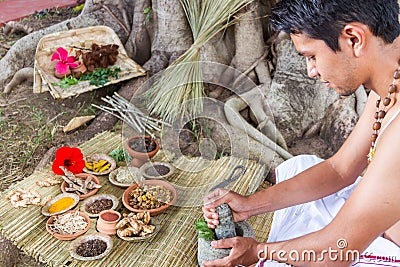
[{"x": 380, "y": 114}]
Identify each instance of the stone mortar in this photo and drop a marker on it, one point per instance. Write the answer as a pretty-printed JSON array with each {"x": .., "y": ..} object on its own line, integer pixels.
[{"x": 226, "y": 229}]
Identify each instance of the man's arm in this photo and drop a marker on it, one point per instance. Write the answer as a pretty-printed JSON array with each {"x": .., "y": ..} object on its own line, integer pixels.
[
  {"x": 370, "y": 210},
  {"x": 325, "y": 178}
]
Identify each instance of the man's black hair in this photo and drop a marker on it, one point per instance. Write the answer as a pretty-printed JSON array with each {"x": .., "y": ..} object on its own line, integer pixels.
[{"x": 325, "y": 19}]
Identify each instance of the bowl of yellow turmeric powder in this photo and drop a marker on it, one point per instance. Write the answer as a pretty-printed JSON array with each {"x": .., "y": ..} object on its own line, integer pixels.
[{"x": 60, "y": 204}]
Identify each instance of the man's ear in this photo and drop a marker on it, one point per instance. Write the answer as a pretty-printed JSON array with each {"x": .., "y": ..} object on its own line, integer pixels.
[{"x": 354, "y": 36}]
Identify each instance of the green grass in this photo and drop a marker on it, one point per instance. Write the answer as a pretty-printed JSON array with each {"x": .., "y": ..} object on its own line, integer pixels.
[{"x": 23, "y": 137}]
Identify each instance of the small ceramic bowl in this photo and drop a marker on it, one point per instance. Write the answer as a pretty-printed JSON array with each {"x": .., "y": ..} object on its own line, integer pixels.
[
  {"x": 107, "y": 221},
  {"x": 67, "y": 236},
  {"x": 89, "y": 201},
  {"x": 125, "y": 176},
  {"x": 45, "y": 209},
  {"x": 98, "y": 157},
  {"x": 126, "y": 196},
  {"x": 82, "y": 239},
  {"x": 157, "y": 170},
  {"x": 83, "y": 176}
]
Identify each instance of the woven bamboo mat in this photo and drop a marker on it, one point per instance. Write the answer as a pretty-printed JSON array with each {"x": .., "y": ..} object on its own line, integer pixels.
[{"x": 176, "y": 242}]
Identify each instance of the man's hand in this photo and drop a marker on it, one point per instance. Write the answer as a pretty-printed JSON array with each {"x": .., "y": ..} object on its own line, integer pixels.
[
  {"x": 236, "y": 202},
  {"x": 244, "y": 252}
]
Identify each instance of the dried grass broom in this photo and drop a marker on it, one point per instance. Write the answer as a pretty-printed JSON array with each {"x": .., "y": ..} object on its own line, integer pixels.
[{"x": 179, "y": 92}]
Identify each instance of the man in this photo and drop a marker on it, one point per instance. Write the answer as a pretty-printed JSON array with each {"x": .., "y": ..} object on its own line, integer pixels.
[{"x": 322, "y": 207}]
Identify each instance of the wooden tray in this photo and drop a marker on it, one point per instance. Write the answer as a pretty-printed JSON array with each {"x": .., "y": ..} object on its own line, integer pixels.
[{"x": 44, "y": 68}]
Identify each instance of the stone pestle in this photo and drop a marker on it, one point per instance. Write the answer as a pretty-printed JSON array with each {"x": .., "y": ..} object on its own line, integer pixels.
[{"x": 226, "y": 226}]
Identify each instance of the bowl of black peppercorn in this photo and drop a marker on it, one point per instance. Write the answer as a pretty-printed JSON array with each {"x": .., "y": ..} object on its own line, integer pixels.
[{"x": 96, "y": 204}]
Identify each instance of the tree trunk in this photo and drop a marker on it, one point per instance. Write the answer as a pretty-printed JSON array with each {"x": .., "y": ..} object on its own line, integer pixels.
[
  {"x": 138, "y": 46},
  {"x": 171, "y": 35},
  {"x": 156, "y": 38}
]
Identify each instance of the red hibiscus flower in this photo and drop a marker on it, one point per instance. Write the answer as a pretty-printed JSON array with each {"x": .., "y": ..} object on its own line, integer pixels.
[{"x": 69, "y": 157}]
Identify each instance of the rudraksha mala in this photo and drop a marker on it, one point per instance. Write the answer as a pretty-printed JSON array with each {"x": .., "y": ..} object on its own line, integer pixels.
[{"x": 380, "y": 114}]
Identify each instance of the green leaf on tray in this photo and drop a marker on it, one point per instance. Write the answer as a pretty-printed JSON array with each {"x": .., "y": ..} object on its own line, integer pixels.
[
  {"x": 119, "y": 154},
  {"x": 67, "y": 82},
  {"x": 100, "y": 77}
]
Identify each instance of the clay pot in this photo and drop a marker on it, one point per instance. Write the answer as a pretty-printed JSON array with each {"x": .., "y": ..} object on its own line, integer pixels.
[
  {"x": 206, "y": 252},
  {"x": 143, "y": 142},
  {"x": 107, "y": 221},
  {"x": 77, "y": 71},
  {"x": 60, "y": 76},
  {"x": 153, "y": 212}
]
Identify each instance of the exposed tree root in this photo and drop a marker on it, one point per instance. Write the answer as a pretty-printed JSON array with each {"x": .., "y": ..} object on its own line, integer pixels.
[
  {"x": 124, "y": 26},
  {"x": 22, "y": 75},
  {"x": 273, "y": 139},
  {"x": 46, "y": 159},
  {"x": 138, "y": 45},
  {"x": 237, "y": 142},
  {"x": 15, "y": 26}
]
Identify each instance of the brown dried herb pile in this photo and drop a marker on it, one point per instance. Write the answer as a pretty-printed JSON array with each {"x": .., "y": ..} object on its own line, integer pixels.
[
  {"x": 150, "y": 197},
  {"x": 100, "y": 56}
]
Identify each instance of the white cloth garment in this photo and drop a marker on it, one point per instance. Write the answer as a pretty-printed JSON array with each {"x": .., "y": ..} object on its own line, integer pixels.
[{"x": 305, "y": 218}]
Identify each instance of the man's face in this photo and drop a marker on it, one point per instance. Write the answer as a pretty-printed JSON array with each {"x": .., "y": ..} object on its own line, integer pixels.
[{"x": 337, "y": 70}]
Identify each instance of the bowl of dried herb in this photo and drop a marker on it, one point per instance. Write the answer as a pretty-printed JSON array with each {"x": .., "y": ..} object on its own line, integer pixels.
[
  {"x": 69, "y": 225},
  {"x": 82, "y": 184}
]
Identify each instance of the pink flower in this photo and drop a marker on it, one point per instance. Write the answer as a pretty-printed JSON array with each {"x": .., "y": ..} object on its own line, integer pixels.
[
  {"x": 69, "y": 157},
  {"x": 64, "y": 61}
]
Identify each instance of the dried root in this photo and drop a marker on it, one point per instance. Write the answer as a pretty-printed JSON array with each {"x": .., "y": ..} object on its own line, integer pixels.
[
  {"x": 48, "y": 182},
  {"x": 44, "y": 200},
  {"x": 77, "y": 185},
  {"x": 23, "y": 198},
  {"x": 135, "y": 224},
  {"x": 68, "y": 223}
]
